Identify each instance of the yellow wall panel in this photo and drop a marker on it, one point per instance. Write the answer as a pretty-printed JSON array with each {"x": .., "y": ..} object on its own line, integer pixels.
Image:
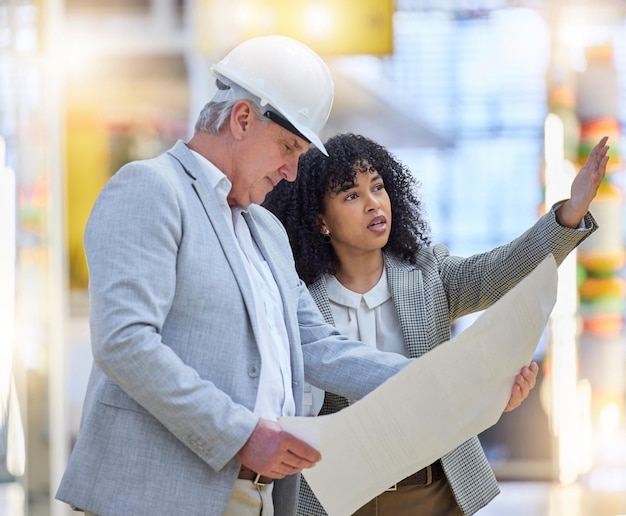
[
  {"x": 87, "y": 156},
  {"x": 330, "y": 27}
]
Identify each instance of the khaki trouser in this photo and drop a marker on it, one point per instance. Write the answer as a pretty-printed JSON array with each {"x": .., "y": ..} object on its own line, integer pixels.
[
  {"x": 435, "y": 499},
  {"x": 248, "y": 499}
]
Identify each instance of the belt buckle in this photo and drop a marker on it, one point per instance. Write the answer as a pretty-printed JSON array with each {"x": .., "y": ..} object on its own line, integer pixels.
[
  {"x": 392, "y": 488},
  {"x": 256, "y": 481}
]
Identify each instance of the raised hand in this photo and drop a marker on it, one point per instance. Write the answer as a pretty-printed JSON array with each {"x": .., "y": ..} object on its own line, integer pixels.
[
  {"x": 585, "y": 186},
  {"x": 274, "y": 453}
]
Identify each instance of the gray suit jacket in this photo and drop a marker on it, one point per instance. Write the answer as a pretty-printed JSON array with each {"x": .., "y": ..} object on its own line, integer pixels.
[
  {"x": 176, "y": 366},
  {"x": 428, "y": 298}
]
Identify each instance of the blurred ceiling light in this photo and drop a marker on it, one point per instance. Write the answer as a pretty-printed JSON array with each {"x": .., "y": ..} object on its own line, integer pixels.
[
  {"x": 75, "y": 59},
  {"x": 609, "y": 417},
  {"x": 569, "y": 398},
  {"x": 11, "y": 429},
  {"x": 7, "y": 266},
  {"x": 246, "y": 14},
  {"x": 576, "y": 33},
  {"x": 553, "y": 154},
  {"x": 317, "y": 21},
  {"x": 78, "y": 52},
  {"x": 585, "y": 450}
]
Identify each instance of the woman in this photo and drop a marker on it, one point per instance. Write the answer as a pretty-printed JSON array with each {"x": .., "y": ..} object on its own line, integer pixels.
[{"x": 361, "y": 243}]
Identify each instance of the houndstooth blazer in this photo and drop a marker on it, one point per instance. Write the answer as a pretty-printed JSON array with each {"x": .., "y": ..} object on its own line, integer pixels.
[{"x": 428, "y": 297}]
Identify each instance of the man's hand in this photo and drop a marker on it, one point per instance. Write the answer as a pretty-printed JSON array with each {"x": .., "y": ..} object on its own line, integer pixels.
[
  {"x": 274, "y": 453},
  {"x": 524, "y": 382},
  {"x": 584, "y": 186}
]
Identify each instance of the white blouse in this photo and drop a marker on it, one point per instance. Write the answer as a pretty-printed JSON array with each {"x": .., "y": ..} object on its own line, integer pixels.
[{"x": 369, "y": 317}]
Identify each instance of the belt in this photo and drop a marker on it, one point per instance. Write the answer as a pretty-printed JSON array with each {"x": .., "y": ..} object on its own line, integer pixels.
[
  {"x": 423, "y": 477},
  {"x": 257, "y": 479}
]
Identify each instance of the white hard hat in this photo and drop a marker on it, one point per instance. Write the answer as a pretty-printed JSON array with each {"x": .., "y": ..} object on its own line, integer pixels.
[{"x": 286, "y": 75}]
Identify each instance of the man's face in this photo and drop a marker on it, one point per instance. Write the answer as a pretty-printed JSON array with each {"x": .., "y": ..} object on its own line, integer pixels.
[{"x": 265, "y": 155}]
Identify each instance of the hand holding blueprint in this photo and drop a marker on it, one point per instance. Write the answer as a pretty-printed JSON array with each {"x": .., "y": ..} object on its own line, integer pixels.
[{"x": 452, "y": 393}]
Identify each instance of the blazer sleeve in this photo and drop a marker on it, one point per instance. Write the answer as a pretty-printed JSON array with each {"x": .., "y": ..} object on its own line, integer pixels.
[{"x": 476, "y": 282}]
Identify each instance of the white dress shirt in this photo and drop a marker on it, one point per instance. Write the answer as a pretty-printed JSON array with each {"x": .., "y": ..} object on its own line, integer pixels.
[{"x": 275, "y": 394}]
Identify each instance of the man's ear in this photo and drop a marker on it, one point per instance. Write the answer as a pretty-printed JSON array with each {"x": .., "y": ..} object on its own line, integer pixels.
[{"x": 240, "y": 118}]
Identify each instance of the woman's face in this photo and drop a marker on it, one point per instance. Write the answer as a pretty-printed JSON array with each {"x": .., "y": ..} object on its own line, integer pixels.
[{"x": 358, "y": 214}]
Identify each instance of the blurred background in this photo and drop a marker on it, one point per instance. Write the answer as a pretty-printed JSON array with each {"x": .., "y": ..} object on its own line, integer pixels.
[{"x": 493, "y": 104}]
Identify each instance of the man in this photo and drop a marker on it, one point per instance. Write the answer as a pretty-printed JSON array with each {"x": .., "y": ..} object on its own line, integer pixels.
[{"x": 201, "y": 329}]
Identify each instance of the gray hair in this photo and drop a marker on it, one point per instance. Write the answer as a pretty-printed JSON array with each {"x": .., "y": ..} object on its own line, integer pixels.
[{"x": 215, "y": 113}]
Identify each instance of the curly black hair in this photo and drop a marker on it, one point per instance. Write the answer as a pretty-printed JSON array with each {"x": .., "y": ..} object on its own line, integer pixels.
[{"x": 298, "y": 204}]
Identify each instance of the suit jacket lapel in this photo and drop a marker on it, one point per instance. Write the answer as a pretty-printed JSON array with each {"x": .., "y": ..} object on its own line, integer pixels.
[
  {"x": 208, "y": 199},
  {"x": 270, "y": 258},
  {"x": 407, "y": 291},
  {"x": 320, "y": 295}
]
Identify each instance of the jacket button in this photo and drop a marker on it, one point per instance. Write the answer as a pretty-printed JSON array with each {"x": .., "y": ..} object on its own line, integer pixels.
[{"x": 253, "y": 371}]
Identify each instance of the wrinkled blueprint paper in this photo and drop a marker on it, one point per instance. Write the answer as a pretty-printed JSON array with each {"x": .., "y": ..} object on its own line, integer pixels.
[{"x": 452, "y": 393}]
